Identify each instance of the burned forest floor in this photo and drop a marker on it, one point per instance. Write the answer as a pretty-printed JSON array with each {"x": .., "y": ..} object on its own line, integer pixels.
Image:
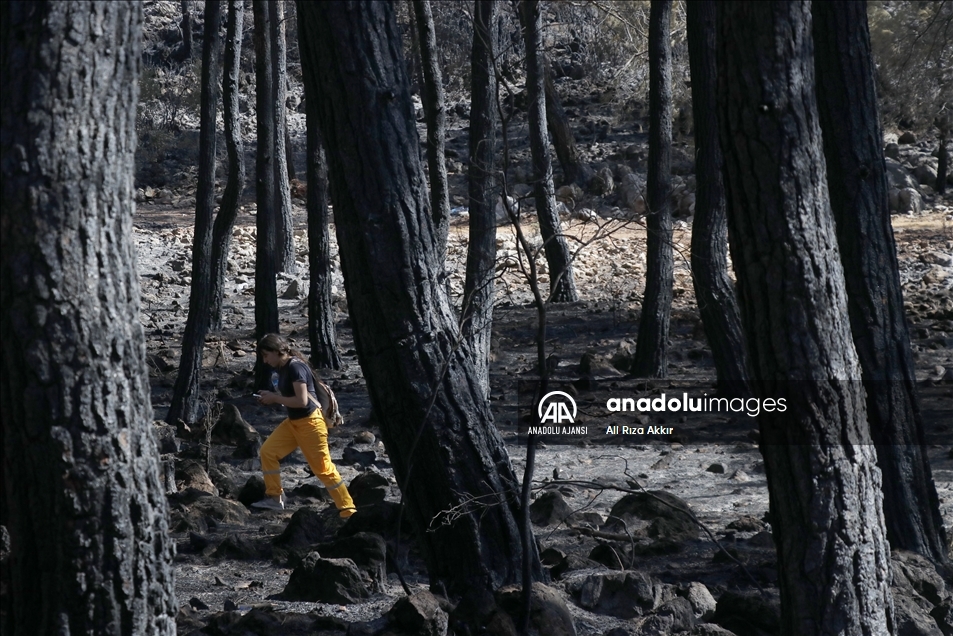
[{"x": 233, "y": 563}]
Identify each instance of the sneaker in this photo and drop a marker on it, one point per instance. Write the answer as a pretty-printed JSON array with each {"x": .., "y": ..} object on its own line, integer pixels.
[{"x": 271, "y": 503}]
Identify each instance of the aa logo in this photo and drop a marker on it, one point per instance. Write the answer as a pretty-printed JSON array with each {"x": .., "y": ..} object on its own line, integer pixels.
[{"x": 555, "y": 407}]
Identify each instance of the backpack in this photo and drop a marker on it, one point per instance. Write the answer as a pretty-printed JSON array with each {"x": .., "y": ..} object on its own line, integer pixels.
[{"x": 332, "y": 416}]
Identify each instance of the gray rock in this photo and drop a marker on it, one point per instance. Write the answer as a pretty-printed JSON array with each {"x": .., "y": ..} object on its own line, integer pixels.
[
  {"x": 747, "y": 612},
  {"x": 898, "y": 176},
  {"x": 702, "y": 602},
  {"x": 549, "y": 508},
  {"x": 293, "y": 291},
  {"x": 925, "y": 174},
  {"x": 307, "y": 527},
  {"x": 621, "y": 594},
  {"x": 351, "y": 456},
  {"x": 907, "y": 138},
  {"x": 252, "y": 491},
  {"x": 238, "y": 548},
  {"x": 892, "y": 150},
  {"x": 548, "y": 612},
  {"x": 669, "y": 515},
  {"x": 231, "y": 428},
  {"x": 320, "y": 580},
  {"x": 718, "y": 468},
  {"x": 196, "y": 511},
  {"x": 909, "y": 201},
  {"x": 674, "y": 616},
  {"x": 710, "y": 629},
  {"x": 602, "y": 182},
  {"x": 420, "y": 614},
  {"x": 366, "y": 549},
  {"x": 368, "y": 488},
  {"x": 191, "y": 474}
]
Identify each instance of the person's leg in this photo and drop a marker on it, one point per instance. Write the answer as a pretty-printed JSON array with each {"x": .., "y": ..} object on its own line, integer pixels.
[
  {"x": 312, "y": 436},
  {"x": 278, "y": 445}
]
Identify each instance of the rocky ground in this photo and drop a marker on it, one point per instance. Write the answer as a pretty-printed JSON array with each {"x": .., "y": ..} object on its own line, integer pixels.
[
  {"x": 231, "y": 560},
  {"x": 622, "y": 561}
]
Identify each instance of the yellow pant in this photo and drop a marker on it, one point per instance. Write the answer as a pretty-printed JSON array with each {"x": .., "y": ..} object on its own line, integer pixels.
[{"x": 311, "y": 434}]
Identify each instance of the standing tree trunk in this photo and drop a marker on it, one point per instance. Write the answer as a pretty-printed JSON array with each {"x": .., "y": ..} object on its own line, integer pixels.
[
  {"x": 266, "y": 219},
  {"x": 321, "y": 333},
  {"x": 823, "y": 481},
  {"x": 857, "y": 182},
  {"x": 651, "y": 349},
  {"x": 477, "y": 311},
  {"x": 228, "y": 211},
  {"x": 284, "y": 240},
  {"x": 185, "y": 25},
  {"x": 187, "y": 393},
  {"x": 714, "y": 291},
  {"x": 449, "y": 459},
  {"x": 944, "y": 163},
  {"x": 435, "y": 112},
  {"x": 562, "y": 287},
  {"x": 574, "y": 168},
  {"x": 86, "y": 513}
]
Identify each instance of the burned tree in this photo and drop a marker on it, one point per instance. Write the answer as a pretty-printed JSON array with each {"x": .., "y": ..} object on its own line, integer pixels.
[
  {"x": 449, "y": 460},
  {"x": 823, "y": 481},
  {"x": 87, "y": 515}
]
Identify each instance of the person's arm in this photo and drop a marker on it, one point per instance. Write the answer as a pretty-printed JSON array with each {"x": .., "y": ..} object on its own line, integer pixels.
[{"x": 298, "y": 401}]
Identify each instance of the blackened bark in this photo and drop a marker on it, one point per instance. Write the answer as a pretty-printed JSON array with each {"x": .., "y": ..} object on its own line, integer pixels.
[
  {"x": 423, "y": 388},
  {"x": 651, "y": 349},
  {"x": 266, "y": 218},
  {"x": 857, "y": 182},
  {"x": 714, "y": 291},
  {"x": 575, "y": 170},
  {"x": 944, "y": 163},
  {"x": 321, "y": 332},
  {"x": 235, "y": 182},
  {"x": 186, "y": 27},
  {"x": 284, "y": 238},
  {"x": 562, "y": 287},
  {"x": 435, "y": 113},
  {"x": 823, "y": 482},
  {"x": 478, "y": 290},
  {"x": 87, "y": 516},
  {"x": 187, "y": 392}
]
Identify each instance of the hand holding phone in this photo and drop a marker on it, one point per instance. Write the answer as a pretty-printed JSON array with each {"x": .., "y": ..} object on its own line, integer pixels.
[{"x": 257, "y": 396}]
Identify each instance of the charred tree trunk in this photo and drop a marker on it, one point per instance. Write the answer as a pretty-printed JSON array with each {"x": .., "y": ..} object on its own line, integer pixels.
[
  {"x": 823, "y": 481},
  {"x": 86, "y": 513},
  {"x": 574, "y": 168},
  {"x": 450, "y": 461},
  {"x": 651, "y": 349},
  {"x": 235, "y": 183},
  {"x": 185, "y": 25},
  {"x": 857, "y": 182},
  {"x": 435, "y": 112},
  {"x": 321, "y": 332},
  {"x": 562, "y": 287},
  {"x": 478, "y": 290},
  {"x": 942, "y": 167},
  {"x": 266, "y": 216},
  {"x": 187, "y": 392},
  {"x": 714, "y": 291},
  {"x": 284, "y": 239}
]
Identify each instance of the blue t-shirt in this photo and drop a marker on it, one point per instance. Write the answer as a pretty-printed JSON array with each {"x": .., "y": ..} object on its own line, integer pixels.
[{"x": 296, "y": 371}]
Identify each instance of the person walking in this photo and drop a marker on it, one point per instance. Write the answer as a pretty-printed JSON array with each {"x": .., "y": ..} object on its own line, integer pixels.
[{"x": 304, "y": 427}]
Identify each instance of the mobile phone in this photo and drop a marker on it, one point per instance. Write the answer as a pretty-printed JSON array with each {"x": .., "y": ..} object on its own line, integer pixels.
[{"x": 257, "y": 396}]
